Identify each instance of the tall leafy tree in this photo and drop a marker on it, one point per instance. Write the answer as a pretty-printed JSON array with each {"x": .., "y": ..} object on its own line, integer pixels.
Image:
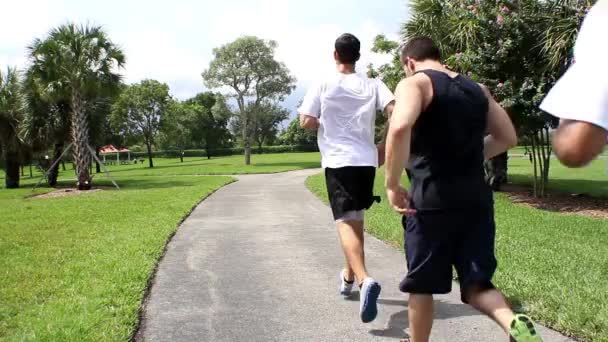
[
  {"x": 297, "y": 136},
  {"x": 209, "y": 120},
  {"x": 267, "y": 121},
  {"x": 12, "y": 109},
  {"x": 139, "y": 110},
  {"x": 77, "y": 59},
  {"x": 248, "y": 68},
  {"x": 175, "y": 131}
]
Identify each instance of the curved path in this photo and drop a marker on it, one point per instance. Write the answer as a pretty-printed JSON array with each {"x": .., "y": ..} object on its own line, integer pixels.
[{"x": 259, "y": 261}]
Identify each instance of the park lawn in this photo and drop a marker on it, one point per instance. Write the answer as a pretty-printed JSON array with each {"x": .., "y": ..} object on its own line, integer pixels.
[
  {"x": 591, "y": 180},
  {"x": 552, "y": 266},
  {"x": 192, "y": 166},
  {"x": 229, "y": 165},
  {"x": 522, "y": 150},
  {"x": 76, "y": 268}
]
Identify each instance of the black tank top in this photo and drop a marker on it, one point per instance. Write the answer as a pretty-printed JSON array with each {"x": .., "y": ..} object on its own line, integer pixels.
[{"x": 446, "y": 164}]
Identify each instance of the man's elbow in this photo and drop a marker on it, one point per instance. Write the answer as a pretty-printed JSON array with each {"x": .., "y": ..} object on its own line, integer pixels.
[
  {"x": 576, "y": 144},
  {"x": 511, "y": 141},
  {"x": 304, "y": 123},
  {"x": 398, "y": 131}
]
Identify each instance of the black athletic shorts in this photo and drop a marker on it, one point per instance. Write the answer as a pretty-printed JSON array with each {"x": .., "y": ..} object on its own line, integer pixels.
[
  {"x": 350, "y": 188},
  {"x": 437, "y": 241}
]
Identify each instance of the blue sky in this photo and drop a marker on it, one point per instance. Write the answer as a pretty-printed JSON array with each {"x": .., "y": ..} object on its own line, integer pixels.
[{"x": 172, "y": 41}]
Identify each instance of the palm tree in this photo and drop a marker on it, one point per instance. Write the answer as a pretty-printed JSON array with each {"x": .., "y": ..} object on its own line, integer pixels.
[
  {"x": 11, "y": 113},
  {"x": 453, "y": 33},
  {"x": 564, "y": 18},
  {"x": 47, "y": 120},
  {"x": 78, "y": 60}
]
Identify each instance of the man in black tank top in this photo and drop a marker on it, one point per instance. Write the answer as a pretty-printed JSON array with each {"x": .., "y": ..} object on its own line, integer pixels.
[{"x": 442, "y": 129}]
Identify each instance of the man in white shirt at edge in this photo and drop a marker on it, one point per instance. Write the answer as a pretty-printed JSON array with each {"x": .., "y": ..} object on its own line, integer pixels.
[
  {"x": 343, "y": 110},
  {"x": 580, "y": 97}
]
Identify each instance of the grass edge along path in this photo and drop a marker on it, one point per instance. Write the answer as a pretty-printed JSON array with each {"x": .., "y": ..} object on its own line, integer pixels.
[
  {"x": 79, "y": 267},
  {"x": 552, "y": 266}
]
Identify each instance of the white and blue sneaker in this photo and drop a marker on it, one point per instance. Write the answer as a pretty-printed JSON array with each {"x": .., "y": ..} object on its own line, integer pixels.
[
  {"x": 346, "y": 287},
  {"x": 370, "y": 291}
]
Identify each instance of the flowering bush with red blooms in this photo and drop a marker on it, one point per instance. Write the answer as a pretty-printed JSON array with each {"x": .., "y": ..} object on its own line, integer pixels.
[{"x": 517, "y": 48}]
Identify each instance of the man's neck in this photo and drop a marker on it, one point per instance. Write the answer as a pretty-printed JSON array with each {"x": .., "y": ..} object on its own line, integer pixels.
[
  {"x": 432, "y": 65},
  {"x": 345, "y": 68}
]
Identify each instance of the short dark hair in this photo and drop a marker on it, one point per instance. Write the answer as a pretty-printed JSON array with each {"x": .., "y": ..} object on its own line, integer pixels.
[
  {"x": 420, "y": 49},
  {"x": 348, "y": 48}
]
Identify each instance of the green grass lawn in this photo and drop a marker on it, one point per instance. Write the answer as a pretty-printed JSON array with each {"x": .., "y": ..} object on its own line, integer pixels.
[
  {"x": 260, "y": 163},
  {"x": 230, "y": 165},
  {"x": 592, "y": 180},
  {"x": 553, "y": 266},
  {"x": 522, "y": 150},
  {"x": 76, "y": 268}
]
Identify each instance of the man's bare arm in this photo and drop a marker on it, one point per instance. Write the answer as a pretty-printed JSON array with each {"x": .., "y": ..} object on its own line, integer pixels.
[
  {"x": 408, "y": 106},
  {"x": 577, "y": 143},
  {"x": 502, "y": 134},
  {"x": 309, "y": 122},
  {"x": 388, "y": 111},
  {"x": 407, "y": 110}
]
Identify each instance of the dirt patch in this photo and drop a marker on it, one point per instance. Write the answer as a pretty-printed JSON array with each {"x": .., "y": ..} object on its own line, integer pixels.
[
  {"x": 65, "y": 192},
  {"x": 576, "y": 204}
]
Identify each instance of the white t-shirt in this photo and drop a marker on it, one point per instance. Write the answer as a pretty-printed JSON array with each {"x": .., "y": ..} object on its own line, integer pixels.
[
  {"x": 346, "y": 106},
  {"x": 582, "y": 92}
]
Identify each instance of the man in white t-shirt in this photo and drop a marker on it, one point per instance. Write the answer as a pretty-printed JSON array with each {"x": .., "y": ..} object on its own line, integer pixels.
[
  {"x": 580, "y": 97},
  {"x": 343, "y": 110}
]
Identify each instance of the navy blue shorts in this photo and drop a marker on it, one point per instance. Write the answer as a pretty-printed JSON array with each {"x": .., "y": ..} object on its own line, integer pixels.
[{"x": 437, "y": 241}]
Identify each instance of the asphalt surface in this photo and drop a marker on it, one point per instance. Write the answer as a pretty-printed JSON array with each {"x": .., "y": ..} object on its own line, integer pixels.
[{"x": 259, "y": 260}]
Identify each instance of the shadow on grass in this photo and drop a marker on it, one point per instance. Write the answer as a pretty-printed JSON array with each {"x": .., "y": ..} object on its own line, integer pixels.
[
  {"x": 591, "y": 187},
  {"x": 141, "y": 183},
  {"x": 302, "y": 164}
]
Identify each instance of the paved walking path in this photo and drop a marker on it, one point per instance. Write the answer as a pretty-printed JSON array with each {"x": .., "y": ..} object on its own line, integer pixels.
[{"x": 259, "y": 261}]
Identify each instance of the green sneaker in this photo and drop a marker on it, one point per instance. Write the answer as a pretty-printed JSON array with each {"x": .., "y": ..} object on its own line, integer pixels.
[{"x": 522, "y": 330}]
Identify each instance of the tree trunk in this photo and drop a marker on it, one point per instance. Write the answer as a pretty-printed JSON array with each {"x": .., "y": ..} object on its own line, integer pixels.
[
  {"x": 149, "y": 146},
  {"x": 31, "y": 171},
  {"x": 547, "y": 160},
  {"x": 247, "y": 154},
  {"x": 62, "y": 165},
  {"x": 11, "y": 160},
  {"x": 207, "y": 148},
  {"x": 246, "y": 143},
  {"x": 535, "y": 162},
  {"x": 54, "y": 173},
  {"x": 97, "y": 166},
  {"x": 80, "y": 138},
  {"x": 542, "y": 164},
  {"x": 22, "y": 171}
]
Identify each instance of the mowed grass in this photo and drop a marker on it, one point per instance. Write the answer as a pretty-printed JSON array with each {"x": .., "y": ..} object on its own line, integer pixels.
[
  {"x": 591, "y": 180},
  {"x": 76, "y": 268},
  {"x": 260, "y": 163},
  {"x": 192, "y": 166},
  {"x": 522, "y": 150},
  {"x": 552, "y": 266}
]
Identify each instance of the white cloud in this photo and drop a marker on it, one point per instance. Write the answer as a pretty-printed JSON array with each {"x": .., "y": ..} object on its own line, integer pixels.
[{"x": 172, "y": 41}]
